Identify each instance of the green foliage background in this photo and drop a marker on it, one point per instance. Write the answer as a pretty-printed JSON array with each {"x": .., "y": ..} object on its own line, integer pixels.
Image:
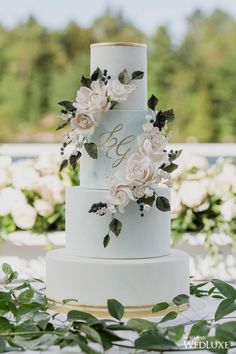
[{"x": 197, "y": 77}]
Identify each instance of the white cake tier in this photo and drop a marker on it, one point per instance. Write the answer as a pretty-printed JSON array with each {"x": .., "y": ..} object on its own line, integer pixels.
[
  {"x": 136, "y": 283},
  {"x": 116, "y": 57},
  {"x": 141, "y": 237},
  {"x": 116, "y": 138}
]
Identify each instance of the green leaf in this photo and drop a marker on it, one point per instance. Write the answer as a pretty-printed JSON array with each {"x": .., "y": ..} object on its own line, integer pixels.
[
  {"x": 6, "y": 268},
  {"x": 63, "y": 125},
  {"x": 2, "y": 345},
  {"x": 227, "y": 331},
  {"x": 150, "y": 200},
  {"x": 169, "y": 115},
  {"x": 41, "y": 343},
  {"x": 137, "y": 75},
  {"x": 63, "y": 165},
  {"x": 162, "y": 203},
  {"x": 68, "y": 105},
  {"x": 115, "y": 308},
  {"x": 76, "y": 315},
  {"x": 160, "y": 307},
  {"x": 85, "y": 81},
  {"x": 226, "y": 307},
  {"x": 175, "y": 333},
  {"x": 216, "y": 345},
  {"x": 152, "y": 102},
  {"x": 42, "y": 319},
  {"x": 170, "y": 168},
  {"x": 225, "y": 289},
  {"x": 115, "y": 226},
  {"x": 26, "y": 296},
  {"x": 199, "y": 329},
  {"x": 154, "y": 341},
  {"x": 106, "y": 240},
  {"x": 123, "y": 76},
  {"x": 169, "y": 316},
  {"x": 181, "y": 299},
  {"x": 74, "y": 160},
  {"x": 91, "y": 333},
  {"x": 140, "y": 325},
  {"x": 92, "y": 150},
  {"x": 5, "y": 325},
  {"x": 97, "y": 74}
]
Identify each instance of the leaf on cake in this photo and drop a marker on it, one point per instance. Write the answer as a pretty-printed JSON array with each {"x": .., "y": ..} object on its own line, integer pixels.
[
  {"x": 97, "y": 74},
  {"x": 74, "y": 160},
  {"x": 63, "y": 165},
  {"x": 160, "y": 307},
  {"x": 85, "y": 81},
  {"x": 106, "y": 240},
  {"x": 123, "y": 76},
  {"x": 115, "y": 226},
  {"x": 92, "y": 150},
  {"x": 68, "y": 105},
  {"x": 115, "y": 308},
  {"x": 150, "y": 200},
  {"x": 152, "y": 102},
  {"x": 162, "y": 203},
  {"x": 63, "y": 125},
  {"x": 137, "y": 75},
  {"x": 170, "y": 168}
]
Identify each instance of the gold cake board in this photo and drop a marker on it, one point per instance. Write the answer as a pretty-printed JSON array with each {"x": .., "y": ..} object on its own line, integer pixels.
[{"x": 102, "y": 312}]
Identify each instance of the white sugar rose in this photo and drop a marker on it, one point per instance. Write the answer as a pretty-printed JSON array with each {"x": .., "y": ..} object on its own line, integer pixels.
[
  {"x": 24, "y": 216},
  {"x": 24, "y": 178},
  {"x": 43, "y": 207},
  {"x": 9, "y": 198},
  {"x": 153, "y": 146},
  {"x": 147, "y": 127},
  {"x": 140, "y": 170},
  {"x": 117, "y": 91},
  {"x": 192, "y": 193},
  {"x": 120, "y": 195},
  {"x": 52, "y": 189},
  {"x": 84, "y": 124}
]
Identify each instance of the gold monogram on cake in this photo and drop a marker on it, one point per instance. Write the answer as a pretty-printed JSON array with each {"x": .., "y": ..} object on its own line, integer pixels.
[{"x": 115, "y": 146}]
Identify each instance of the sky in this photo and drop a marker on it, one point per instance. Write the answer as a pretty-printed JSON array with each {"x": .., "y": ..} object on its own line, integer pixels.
[{"x": 145, "y": 14}]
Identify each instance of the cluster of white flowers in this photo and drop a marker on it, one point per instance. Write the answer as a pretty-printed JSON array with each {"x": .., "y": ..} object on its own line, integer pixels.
[
  {"x": 195, "y": 183},
  {"x": 142, "y": 173},
  {"x": 39, "y": 176}
]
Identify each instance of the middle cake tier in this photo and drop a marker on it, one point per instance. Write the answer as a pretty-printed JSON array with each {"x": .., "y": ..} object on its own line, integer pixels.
[{"x": 142, "y": 237}]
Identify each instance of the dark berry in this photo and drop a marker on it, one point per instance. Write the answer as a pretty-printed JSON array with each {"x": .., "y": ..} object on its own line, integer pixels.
[
  {"x": 142, "y": 214},
  {"x": 64, "y": 145},
  {"x": 152, "y": 121},
  {"x": 105, "y": 72},
  {"x": 141, "y": 208},
  {"x": 109, "y": 77},
  {"x": 103, "y": 79}
]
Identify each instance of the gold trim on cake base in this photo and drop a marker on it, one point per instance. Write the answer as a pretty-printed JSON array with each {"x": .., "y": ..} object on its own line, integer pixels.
[
  {"x": 102, "y": 312},
  {"x": 125, "y": 44}
]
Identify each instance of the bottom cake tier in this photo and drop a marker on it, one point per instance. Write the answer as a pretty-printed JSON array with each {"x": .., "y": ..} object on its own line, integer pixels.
[{"x": 138, "y": 284}]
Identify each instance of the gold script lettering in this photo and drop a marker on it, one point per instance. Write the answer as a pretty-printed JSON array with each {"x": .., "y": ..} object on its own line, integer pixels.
[{"x": 112, "y": 145}]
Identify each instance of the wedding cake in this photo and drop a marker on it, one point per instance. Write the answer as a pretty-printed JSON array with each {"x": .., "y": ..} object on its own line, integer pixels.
[{"x": 118, "y": 220}]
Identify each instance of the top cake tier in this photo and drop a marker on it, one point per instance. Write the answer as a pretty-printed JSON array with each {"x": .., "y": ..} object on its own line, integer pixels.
[{"x": 118, "y": 56}]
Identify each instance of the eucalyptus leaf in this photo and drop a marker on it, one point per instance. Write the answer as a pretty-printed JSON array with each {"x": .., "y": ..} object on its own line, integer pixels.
[
  {"x": 175, "y": 333},
  {"x": 106, "y": 240},
  {"x": 137, "y": 75},
  {"x": 91, "y": 333},
  {"x": 169, "y": 316},
  {"x": 160, "y": 307},
  {"x": 227, "y": 331},
  {"x": 162, "y": 203},
  {"x": 7, "y": 269},
  {"x": 140, "y": 325},
  {"x": 225, "y": 289},
  {"x": 180, "y": 299},
  {"x": 5, "y": 325},
  {"x": 26, "y": 296},
  {"x": 75, "y": 315},
  {"x": 226, "y": 307},
  {"x": 152, "y": 102},
  {"x": 115, "y": 226},
  {"x": 199, "y": 329},
  {"x": 123, "y": 76},
  {"x": 92, "y": 150},
  {"x": 154, "y": 341},
  {"x": 115, "y": 308},
  {"x": 63, "y": 165}
]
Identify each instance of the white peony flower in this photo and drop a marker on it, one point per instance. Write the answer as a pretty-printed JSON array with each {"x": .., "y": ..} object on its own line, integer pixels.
[
  {"x": 9, "y": 198},
  {"x": 176, "y": 205},
  {"x": 48, "y": 164},
  {"x": 120, "y": 195},
  {"x": 52, "y": 189},
  {"x": 84, "y": 124},
  {"x": 228, "y": 210},
  {"x": 153, "y": 146},
  {"x": 92, "y": 100},
  {"x": 117, "y": 91},
  {"x": 24, "y": 178},
  {"x": 140, "y": 170},
  {"x": 192, "y": 193},
  {"x": 43, "y": 207},
  {"x": 24, "y": 216}
]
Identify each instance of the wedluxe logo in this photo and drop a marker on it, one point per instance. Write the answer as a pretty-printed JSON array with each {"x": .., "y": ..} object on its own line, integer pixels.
[{"x": 204, "y": 343}]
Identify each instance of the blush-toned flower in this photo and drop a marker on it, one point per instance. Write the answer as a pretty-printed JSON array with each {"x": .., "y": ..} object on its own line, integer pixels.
[
  {"x": 140, "y": 170},
  {"x": 153, "y": 146},
  {"x": 83, "y": 123},
  {"x": 117, "y": 91},
  {"x": 120, "y": 195},
  {"x": 24, "y": 216}
]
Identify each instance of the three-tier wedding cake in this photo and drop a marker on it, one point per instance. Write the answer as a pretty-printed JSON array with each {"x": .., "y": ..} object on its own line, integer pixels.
[{"x": 118, "y": 219}]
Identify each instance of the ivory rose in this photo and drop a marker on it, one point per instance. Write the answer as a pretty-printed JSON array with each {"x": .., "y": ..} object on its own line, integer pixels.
[
  {"x": 84, "y": 124},
  {"x": 120, "y": 195},
  {"x": 140, "y": 170},
  {"x": 117, "y": 91},
  {"x": 152, "y": 145}
]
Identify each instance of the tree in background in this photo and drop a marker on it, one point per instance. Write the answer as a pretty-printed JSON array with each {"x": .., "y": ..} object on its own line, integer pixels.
[{"x": 39, "y": 67}]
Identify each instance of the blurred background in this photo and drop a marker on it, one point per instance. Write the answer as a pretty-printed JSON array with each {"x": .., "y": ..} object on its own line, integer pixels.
[{"x": 44, "y": 50}]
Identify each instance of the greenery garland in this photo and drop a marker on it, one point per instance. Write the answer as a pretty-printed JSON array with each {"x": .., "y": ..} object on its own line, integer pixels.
[{"x": 27, "y": 324}]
